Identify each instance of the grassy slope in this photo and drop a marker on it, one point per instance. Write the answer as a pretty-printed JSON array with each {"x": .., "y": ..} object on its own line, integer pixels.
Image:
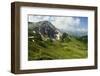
[{"x": 73, "y": 49}]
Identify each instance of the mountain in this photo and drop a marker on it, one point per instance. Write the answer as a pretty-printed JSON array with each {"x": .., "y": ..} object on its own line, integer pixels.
[
  {"x": 83, "y": 38},
  {"x": 46, "y": 42},
  {"x": 45, "y": 28}
]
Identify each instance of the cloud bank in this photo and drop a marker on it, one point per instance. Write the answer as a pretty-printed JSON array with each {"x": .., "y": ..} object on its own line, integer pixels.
[{"x": 67, "y": 24}]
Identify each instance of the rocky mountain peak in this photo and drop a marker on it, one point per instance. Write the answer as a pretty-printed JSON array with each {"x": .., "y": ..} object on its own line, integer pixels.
[{"x": 45, "y": 28}]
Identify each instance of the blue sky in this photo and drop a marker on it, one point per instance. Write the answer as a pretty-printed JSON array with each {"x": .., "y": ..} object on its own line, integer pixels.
[
  {"x": 83, "y": 21},
  {"x": 66, "y": 23}
]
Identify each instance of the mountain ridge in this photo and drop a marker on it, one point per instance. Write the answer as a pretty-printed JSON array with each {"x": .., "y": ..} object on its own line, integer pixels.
[{"x": 47, "y": 30}]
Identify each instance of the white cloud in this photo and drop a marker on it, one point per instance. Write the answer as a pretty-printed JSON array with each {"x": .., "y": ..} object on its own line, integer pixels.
[
  {"x": 35, "y": 18},
  {"x": 67, "y": 23}
]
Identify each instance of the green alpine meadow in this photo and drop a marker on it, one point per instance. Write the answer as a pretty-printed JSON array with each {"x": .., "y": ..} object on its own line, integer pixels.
[{"x": 51, "y": 38}]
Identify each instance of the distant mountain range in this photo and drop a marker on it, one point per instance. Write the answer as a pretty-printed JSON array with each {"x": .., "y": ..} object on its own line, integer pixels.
[{"x": 47, "y": 30}]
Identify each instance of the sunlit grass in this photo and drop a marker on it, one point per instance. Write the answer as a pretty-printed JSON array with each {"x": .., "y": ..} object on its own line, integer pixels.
[{"x": 73, "y": 49}]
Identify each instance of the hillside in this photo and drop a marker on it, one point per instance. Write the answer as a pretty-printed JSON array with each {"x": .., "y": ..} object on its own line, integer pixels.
[
  {"x": 57, "y": 50},
  {"x": 44, "y": 45}
]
